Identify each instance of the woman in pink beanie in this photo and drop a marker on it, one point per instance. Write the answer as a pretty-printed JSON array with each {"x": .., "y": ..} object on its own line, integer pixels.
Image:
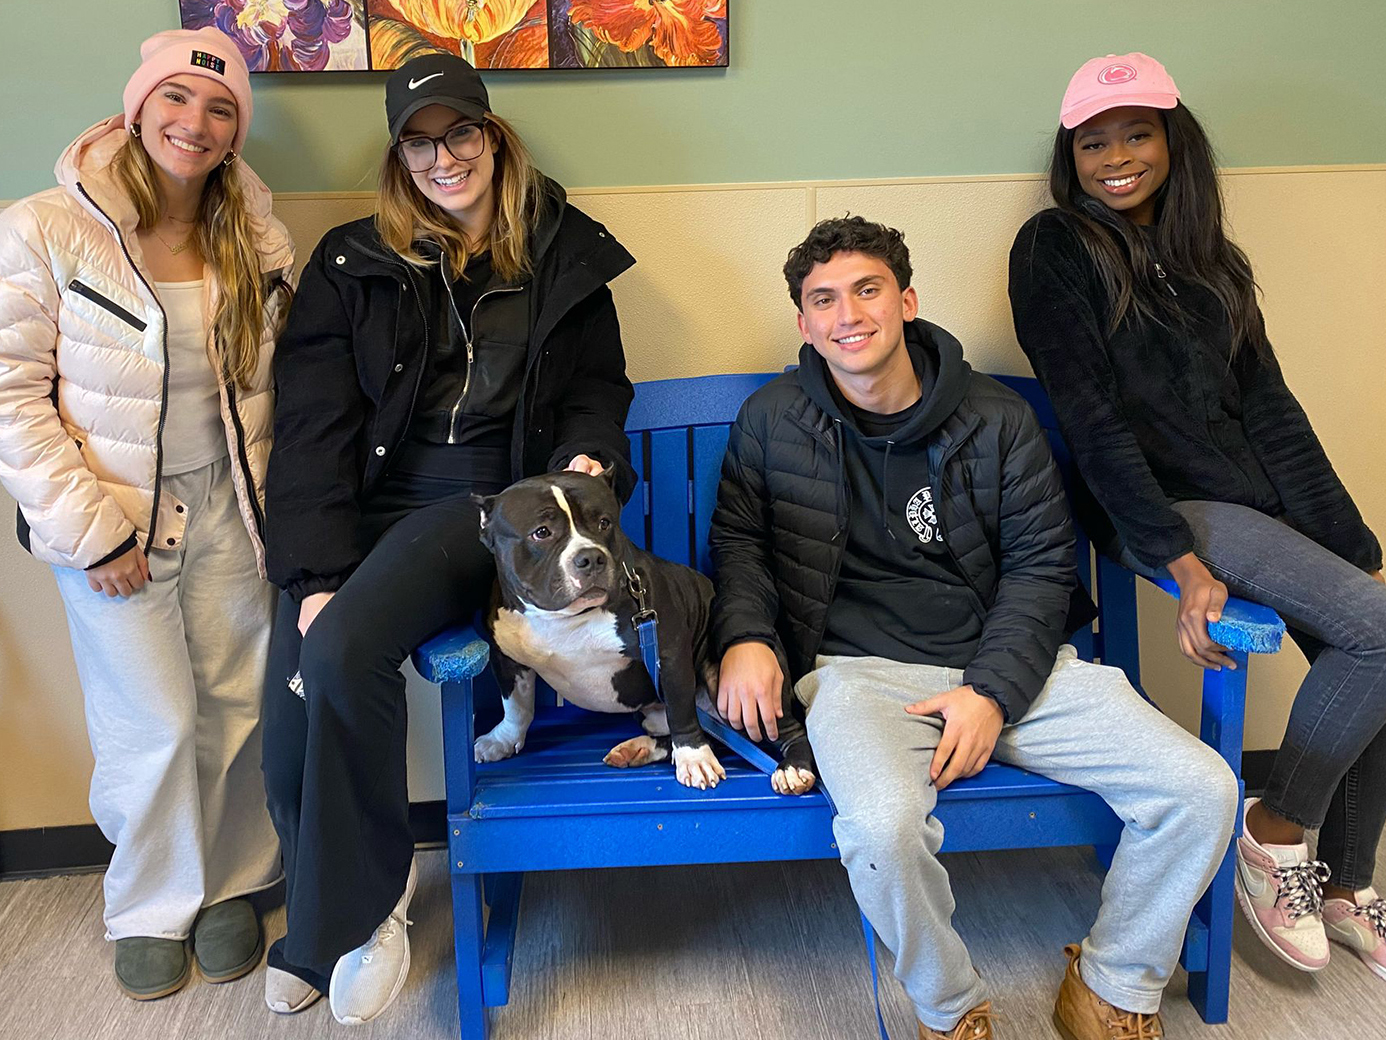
[{"x": 139, "y": 304}]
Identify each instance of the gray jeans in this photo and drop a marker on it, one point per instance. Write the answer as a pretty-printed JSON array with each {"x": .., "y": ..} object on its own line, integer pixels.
[
  {"x": 1330, "y": 771},
  {"x": 1088, "y": 727}
]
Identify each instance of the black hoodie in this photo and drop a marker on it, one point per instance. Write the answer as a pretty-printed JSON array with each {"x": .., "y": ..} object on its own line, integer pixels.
[
  {"x": 895, "y": 564},
  {"x": 784, "y": 510}
]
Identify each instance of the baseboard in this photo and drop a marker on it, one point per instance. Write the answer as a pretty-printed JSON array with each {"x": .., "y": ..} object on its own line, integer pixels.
[{"x": 80, "y": 849}]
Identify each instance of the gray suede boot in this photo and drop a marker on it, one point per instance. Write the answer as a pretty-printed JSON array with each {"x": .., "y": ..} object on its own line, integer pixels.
[
  {"x": 227, "y": 941},
  {"x": 147, "y": 968}
]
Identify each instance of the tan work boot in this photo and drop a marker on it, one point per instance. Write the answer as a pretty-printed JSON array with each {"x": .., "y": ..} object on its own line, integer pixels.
[
  {"x": 975, "y": 1025},
  {"x": 1080, "y": 1014}
]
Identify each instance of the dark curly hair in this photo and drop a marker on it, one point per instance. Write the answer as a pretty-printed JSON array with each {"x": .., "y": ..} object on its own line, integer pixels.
[{"x": 846, "y": 235}]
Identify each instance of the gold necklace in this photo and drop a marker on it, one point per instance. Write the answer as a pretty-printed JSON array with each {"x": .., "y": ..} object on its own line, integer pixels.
[{"x": 174, "y": 250}]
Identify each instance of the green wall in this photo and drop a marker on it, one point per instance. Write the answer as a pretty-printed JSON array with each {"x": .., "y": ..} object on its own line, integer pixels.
[{"x": 817, "y": 89}]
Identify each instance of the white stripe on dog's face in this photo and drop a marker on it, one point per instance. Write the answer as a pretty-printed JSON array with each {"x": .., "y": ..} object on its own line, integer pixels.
[{"x": 577, "y": 541}]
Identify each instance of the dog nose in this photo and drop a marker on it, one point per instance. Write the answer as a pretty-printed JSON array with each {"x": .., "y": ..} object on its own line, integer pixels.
[{"x": 585, "y": 561}]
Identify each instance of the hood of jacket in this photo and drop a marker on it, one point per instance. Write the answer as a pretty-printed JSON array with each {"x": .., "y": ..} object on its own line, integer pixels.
[
  {"x": 949, "y": 386},
  {"x": 84, "y": 169}
]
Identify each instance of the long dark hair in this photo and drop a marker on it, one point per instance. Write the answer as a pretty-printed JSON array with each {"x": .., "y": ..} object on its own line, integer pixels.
[{"x": 1189, "y": 237}]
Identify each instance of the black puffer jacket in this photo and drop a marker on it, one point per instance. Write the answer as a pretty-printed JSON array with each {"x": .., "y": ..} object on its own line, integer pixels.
[
  {"x": 1156, "y": 414},
  {"x": 780, "y": 525},
  {"x": 349, "y": 364}
]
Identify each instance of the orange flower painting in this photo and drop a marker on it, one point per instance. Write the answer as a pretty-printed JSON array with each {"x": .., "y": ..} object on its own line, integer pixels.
[
  {"x": 679, "y": 32},
  {"x": 543, "y": 34}
]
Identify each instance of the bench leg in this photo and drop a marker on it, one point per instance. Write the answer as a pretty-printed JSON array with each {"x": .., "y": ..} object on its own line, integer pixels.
[
  {"x": 469, "y": 931},
  {"x": 1208, "y": 989}
]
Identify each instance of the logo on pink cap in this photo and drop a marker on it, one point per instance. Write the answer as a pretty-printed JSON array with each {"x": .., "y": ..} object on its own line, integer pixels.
[{"x": 1115, "y": 74}]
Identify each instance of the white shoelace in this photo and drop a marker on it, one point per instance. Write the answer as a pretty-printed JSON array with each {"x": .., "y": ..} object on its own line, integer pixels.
[
  {"x": 1375, "y": 915},
  {"x": 1301, "y": 887},
  {"x": 388, "y": 929}
]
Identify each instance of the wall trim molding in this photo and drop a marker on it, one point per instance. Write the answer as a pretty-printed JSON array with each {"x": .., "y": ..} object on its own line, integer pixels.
[
  {"x": 859, "y": 182},
  {"x": 813, "y": 185}
]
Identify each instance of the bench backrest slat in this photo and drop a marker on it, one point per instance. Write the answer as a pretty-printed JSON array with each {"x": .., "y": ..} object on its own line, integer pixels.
[{"x": 678, "y": 430}]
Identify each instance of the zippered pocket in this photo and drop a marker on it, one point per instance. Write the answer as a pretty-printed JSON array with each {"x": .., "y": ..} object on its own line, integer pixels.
[{"x": 84, "y": 290}]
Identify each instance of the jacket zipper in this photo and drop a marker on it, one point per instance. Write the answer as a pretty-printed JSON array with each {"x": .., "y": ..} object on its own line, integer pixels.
[
  {"x": 105, "y": 303},
  {"x": 845, "y": 491},
  {"x": 163, "y": 401},
  {"x": 935, "y": 479},
  {"x": 244, "y": 460},
  {"x": 471, "y": 350},
  {"x": 1164, "y": 279}
]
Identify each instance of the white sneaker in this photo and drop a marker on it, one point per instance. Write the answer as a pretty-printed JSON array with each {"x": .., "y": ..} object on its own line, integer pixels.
[
  {"x": 286, "y": 993},
  {"x": 367, "y": 980}
]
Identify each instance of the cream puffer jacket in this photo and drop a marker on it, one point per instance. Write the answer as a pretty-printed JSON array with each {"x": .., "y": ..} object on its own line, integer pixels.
[{"x": 83, "y": 368}]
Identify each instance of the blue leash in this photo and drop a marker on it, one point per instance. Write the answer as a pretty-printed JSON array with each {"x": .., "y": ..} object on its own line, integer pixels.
[{"x": 647, "y": 630}]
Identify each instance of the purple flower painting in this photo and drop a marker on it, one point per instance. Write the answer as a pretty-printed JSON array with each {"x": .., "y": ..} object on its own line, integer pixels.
[{"x": 287, "y": 35}]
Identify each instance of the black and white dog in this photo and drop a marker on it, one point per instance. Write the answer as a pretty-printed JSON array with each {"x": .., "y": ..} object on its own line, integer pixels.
[{"x": 564, "y": 608}]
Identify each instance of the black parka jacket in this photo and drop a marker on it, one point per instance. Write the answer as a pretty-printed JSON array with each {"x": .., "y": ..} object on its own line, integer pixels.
[
  {"x": 351, "y": 358},
  {"x": 780, "y": 526}
]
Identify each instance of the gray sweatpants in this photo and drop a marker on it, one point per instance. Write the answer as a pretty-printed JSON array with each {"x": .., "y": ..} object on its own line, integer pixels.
[
  {"x": 1089, "y": 728},
  {"x": 172, "y": 680}
]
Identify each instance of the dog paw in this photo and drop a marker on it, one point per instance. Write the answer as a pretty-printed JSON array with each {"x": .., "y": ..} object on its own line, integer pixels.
[
  {"x": 637, "y": 751},
  {"x": 493, "y": 747},
  {"x": 698, "y": 767},
  {"x": 792, "y": 780}
]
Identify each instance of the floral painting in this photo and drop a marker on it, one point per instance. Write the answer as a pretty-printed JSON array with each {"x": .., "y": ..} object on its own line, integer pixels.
[
  {"x": 287, "y": 35},
  {"x": 339, "y": 35}
]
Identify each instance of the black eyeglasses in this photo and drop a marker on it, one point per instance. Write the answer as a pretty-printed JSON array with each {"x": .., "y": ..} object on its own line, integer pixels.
[{"x": 464, "y": 143}]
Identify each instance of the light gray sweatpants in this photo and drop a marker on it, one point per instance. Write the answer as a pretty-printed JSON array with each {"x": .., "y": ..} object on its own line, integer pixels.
[
  {"x": 1088, "y": 727},
  {"x": 172, "y": 680}
]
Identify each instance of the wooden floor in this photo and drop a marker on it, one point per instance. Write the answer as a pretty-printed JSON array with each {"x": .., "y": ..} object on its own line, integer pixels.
[{"x": 769, "y": 951}]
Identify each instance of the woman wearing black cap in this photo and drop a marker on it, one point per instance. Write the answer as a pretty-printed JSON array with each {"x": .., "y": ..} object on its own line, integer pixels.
[{"x": 462, "y": 337}]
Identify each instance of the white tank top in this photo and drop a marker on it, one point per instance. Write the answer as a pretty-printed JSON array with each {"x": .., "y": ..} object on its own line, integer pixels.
[{"x": 194, "y": 435}]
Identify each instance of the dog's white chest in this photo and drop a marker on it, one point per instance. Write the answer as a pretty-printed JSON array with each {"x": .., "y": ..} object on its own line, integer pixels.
[{"x": 578, "y": 655}]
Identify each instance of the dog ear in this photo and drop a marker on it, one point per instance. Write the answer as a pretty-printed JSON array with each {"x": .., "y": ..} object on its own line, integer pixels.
[
  {"x": 484, "y": 503},
  {"x": 608, "y": 474}
]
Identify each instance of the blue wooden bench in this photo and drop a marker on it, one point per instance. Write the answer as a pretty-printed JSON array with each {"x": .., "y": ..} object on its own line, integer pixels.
[{"x": 555, "y": 806}]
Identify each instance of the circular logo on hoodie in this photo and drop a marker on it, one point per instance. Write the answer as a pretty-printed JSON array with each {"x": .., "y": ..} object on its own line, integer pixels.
[
  {"x": 1113, "y": 75},
  {"x": 920, "y": 513}
]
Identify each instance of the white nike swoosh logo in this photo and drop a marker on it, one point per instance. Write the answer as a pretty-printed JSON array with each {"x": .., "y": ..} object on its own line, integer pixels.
[
  {"x": 1254, "y": 888},
  {"x": 414, "y": 84}
]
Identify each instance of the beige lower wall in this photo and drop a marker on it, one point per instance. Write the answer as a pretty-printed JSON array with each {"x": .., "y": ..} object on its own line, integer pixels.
[{"x": 707, "y": 296}]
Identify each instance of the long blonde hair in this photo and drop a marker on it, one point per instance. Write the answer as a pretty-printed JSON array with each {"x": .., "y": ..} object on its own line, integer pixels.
[
  {"x": 403, "y": 215},
  {"x": 225, "y": 238}
]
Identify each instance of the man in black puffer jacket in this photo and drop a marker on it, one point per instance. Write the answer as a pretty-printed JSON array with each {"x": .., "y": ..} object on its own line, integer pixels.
[{"x": 891, "y": 524}]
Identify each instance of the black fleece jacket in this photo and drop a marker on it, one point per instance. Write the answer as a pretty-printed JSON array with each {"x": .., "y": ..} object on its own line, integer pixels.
[
  {"x": 350, "y": 363},
  {"x": 784, "y": 508},
  {"x": 1156, "y": 414}
]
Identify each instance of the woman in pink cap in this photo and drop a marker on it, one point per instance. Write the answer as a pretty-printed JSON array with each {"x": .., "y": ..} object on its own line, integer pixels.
[
  {"x": 139, "y": 302},
  {"x": 1140, "y": 318}
]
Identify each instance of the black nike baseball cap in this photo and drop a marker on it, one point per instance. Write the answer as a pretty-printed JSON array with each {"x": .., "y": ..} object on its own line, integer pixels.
[{"x": 434, "y": 79}]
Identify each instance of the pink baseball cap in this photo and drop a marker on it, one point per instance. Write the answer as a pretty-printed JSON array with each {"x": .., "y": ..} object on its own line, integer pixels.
[
  {"x": 203, "y": 52},
  {"x": 1113, "y": 81}
]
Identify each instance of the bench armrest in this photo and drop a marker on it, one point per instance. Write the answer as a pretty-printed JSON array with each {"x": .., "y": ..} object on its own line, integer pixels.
[
  {"x": 1248, "y": 627},
  {"x": 458, "y": 653}
]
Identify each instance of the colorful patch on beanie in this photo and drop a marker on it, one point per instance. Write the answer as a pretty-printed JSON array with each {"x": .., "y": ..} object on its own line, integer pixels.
[{"x": 203, "y": 60}]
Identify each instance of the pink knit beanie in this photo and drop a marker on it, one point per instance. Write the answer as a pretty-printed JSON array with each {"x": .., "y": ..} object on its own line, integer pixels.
[{"x": 204, "y": 52}]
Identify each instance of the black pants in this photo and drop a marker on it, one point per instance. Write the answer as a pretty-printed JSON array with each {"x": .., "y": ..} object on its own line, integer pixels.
[{"x": 335, "y": 759}]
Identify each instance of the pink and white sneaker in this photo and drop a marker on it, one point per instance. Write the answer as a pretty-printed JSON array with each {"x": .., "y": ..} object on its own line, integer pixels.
[
  {"x": 1280, "y": 890},
  {"x": 1360, "y": 925}
]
